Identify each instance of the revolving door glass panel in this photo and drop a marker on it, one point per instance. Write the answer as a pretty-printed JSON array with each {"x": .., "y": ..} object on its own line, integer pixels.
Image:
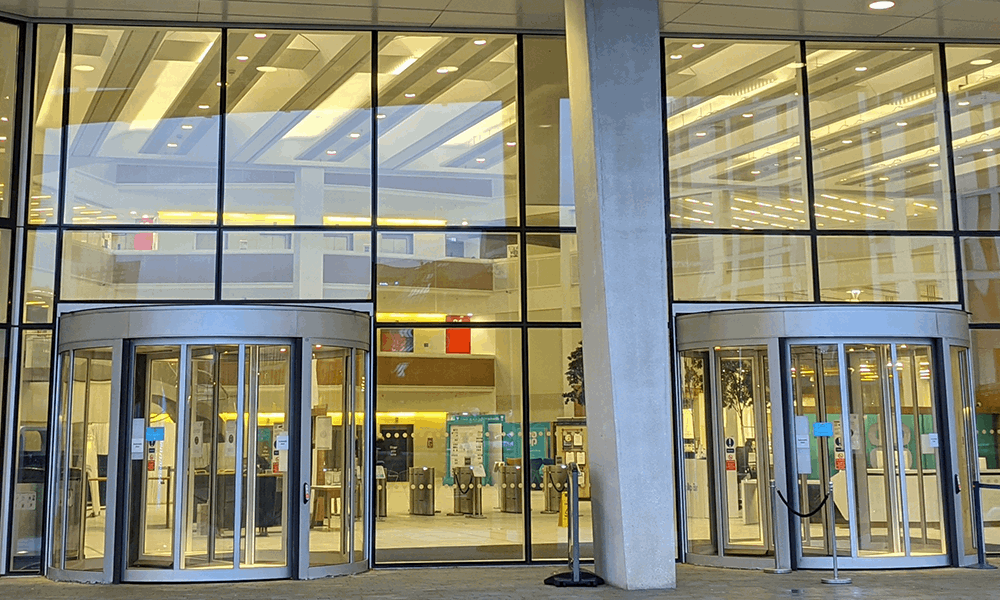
[
  {"x": 743, "y": 414},
  {"x": 884, "y": 457},
  {"x": 209, "y": 487}
]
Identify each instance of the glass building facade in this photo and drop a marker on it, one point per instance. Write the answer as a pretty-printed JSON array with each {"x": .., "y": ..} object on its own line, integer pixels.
[{"x": 427, "y": 178}]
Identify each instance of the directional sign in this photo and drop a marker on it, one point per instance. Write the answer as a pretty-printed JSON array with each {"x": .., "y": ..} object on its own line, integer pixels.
[{"x": 822, "y": 429}]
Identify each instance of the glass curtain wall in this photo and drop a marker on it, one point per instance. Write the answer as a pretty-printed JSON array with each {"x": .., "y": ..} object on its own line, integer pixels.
[{"x": 227, "y": 165}]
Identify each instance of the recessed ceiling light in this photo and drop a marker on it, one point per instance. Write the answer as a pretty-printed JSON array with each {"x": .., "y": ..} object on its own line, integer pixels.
[
  {"x": 987, "y": 149},
  {"x": 480, "y": 160},
  {"x": 901, "y": 123},
  {"x": 860, "y": 69},
  {"x": 331, "y": 152},
  {"x": 979, "y": 62},
  {"x": 204, "y": 106},
  {"x": 4, "y": 119},
  {"x": 267, "y": 69},
  {"x": 797, "y": 157},
  {"x": 676, "y": 56},
  {"x": 355, "y": 135},
  {"x": 260, "y": 35},
  {"x": 83, "y": 68},
  {"x": 700, "y": 134},
  {"x": 380, "y": 116},
  {"x": 797, "y": 65},
  {"x": 479, "y": 42},
  {"x": 511, "y": 143},
  {"x": 187, "y": 126},
  {"x": 699, "y": 45},
  {"x": 881, "y": 4},
  {"x": 242, "y": 57},
  {"x": 443, "y": 70},
  {"x": 883, "y": 179},
  {"x": 755, "y": 172},
  {"x": 172, "y": 145},
  {"x": 964, "y": 103},
  {"x": 411, "y": 95},
  {"x": 747, "y": 115},
  {"x": 933, "y": 165},
  {"x": 846, "y": 141}
]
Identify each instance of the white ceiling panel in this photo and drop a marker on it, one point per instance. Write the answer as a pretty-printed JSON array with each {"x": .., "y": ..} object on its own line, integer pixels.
[{"x": 975, "y": 19}]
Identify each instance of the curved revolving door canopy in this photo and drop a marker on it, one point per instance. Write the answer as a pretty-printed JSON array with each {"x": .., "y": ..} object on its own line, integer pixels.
[
  {"x": 858, "y": 415},
  {"x": 205, "y": 444}
]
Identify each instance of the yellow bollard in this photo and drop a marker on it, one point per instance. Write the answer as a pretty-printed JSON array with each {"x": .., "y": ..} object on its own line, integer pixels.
[{"x": 564, "y": 509}]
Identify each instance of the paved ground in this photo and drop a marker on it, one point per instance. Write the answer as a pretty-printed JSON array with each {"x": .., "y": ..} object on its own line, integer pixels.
[{"x": 494, "y": 583}]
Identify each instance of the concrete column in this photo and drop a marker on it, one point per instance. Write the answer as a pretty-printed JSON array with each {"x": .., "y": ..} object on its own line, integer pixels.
[{"x": 613, "y": 51}]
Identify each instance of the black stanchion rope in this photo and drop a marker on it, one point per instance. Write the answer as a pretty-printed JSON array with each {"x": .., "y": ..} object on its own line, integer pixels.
[
  {"x": 797, "y": 513},
  {"x": 458, "y": 482},
  {"x": 553, "y": 483}
]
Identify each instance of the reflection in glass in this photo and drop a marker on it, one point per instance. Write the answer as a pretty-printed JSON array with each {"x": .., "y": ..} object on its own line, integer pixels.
[
  {"x": 986, "y": 438},
  {"x": 6, "y": 275},
  {"x": 8, "y": 96},
  {"x": 87, "y": 442},
  {"x": 40, "y": 277},
  {"x": 450, "y": 399},
  {"x": 548, "y": 143},
  {"x": 981, "y": 271},
  {"x": 50, "y": 57},
  {"x": 157, "y": 264},
  {"x": 447, "y": 127},
  {"x": 553, "y": 277},
  {"x": 296, "y": 266},
  {"x": 360, "y": 425},
  {"x": 735, "y": 147},
  {"x": 887, "y": 269},
  {"x": 742, "y": 267},
  {"x": 558, "y": 436},
  {"x": 876, "y": 137},
  {"x": 31, "y": 455},
  {"x": 143, "y": 126},
  {"x": 965, "y": 433},
  {"x": 452, "y": 276},
  {"x": 327, "y": 543},
  {"x": 974, "y": 98},
  {"x": 298, "y": 130},
  {"x": 699, "y": 508}
]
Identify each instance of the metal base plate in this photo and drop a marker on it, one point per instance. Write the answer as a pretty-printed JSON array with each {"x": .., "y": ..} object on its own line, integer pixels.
[
  {"x": 587, "y": 579},
  {"x": 980, "y": 566},
  {"x": 778, "y": 571},
  {"x": 837, "y": 580}
]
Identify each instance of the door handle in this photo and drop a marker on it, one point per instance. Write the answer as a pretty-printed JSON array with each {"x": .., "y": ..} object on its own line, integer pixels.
[
  {"x": 305, "y": 493},
  {"x": 958, "y": 485}
]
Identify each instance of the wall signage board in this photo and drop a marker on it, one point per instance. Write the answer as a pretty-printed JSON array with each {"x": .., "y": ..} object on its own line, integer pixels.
[
  {"x": 822, "y": 429},
  {"x": 730, "y": 454}
]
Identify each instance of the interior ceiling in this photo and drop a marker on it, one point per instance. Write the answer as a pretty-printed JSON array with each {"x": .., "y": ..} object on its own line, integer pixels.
[{"x": 909, "y": 18}]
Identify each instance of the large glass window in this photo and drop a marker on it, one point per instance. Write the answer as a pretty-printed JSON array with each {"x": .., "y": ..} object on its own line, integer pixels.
[
  {"x": 553, "y": 277},
  {"x": 447, "y": 130},
  {"x": 877, "y": 141},
  {"x": 448, "y": 440},
  {"x": 298, "y": 128},
  {"x": 143, "y": 125},
  {"x": 448, "y": 276},
  {"x": 558, "y": 437},
  {"x": 30, "y": 447},
  {"x": 548, "y": 143},
  {"x": 734, "y": 134},
  {"x": 50, "y": 70},
  {"x": 39, "y": 276},
  {"x": 138, "y": 264},
  {"x": 986, "y": 353},
  {"x": 887, "y": 269},
  {"x": 8, "y": 97},
  {"x": 981, "y": 273},
  {"x": 742, "y": 268},
  {"x": 296, "y": 265},
  {"x": 974, "y": 94}
]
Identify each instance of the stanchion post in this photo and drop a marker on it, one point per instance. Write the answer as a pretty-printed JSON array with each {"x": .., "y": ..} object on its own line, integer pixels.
[
  {"x": 778, "y": 569},
  {"x": 977, "y": 514},
  {"x": 835, "y": 580},
  {"x": 575, "y": 577}
]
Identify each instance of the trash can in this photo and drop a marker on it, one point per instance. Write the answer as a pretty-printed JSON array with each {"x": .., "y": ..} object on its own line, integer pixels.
[
  {"x": 555, "y": 482},
  {"x": 422, "y": 491},
  {"x": 511, "y": 487},
  {"x": 468, "y": 492}
]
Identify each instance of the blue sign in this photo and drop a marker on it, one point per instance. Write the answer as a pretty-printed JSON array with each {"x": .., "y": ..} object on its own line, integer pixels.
[
  {"x": 155, "y": 434},
  {"x": 822, "y": 429}
]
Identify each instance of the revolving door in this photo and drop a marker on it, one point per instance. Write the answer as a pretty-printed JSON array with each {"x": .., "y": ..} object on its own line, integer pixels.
[
  {"x": 859, "y": 417},
  {"x": 236, "y": 456}
]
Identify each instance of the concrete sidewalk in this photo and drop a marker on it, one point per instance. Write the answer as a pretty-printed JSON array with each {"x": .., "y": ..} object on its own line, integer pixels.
[{"x": 526, "y": 582}]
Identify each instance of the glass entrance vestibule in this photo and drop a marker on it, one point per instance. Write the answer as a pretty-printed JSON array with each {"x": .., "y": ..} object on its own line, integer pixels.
[
  {"x": 209, "y": 444},
  {"x": 864, "y": 409}
]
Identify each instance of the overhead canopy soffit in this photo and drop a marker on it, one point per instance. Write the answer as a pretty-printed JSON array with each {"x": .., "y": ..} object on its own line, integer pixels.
[{"x": 971, "y": 19}]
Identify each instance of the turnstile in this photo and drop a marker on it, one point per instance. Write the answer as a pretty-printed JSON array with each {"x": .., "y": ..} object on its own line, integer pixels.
[
  {"x": 555, "y": 483},
  {"x": 511, "y": 486},
  {"x": 468, "y": 492},
  {"x": 422, "y": 491}
]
